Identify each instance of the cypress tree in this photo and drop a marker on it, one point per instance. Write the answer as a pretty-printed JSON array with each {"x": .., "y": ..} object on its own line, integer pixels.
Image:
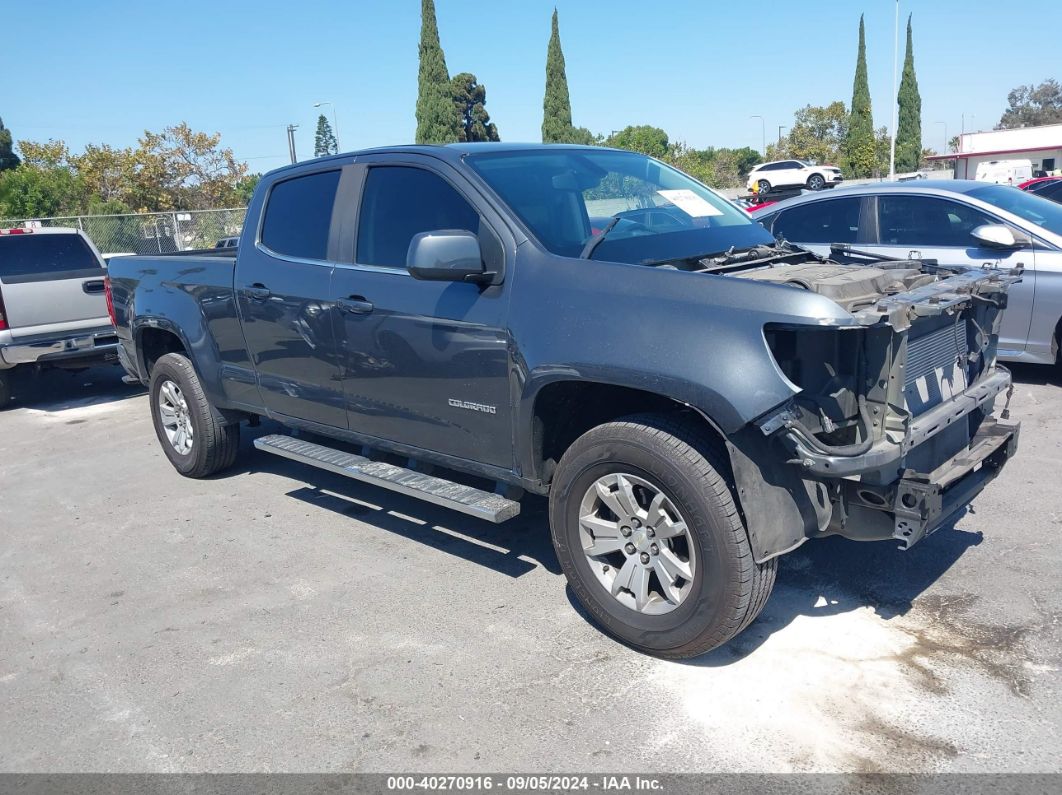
[
  {"x": 8, "y": 158},
  {"x": 909, "y": 126},
  {"x": 859, "y": 143},
  {"x": 557, "y": 106},
  {"x": 324, "y": 143},
  {"x": 437, "y": 119}
]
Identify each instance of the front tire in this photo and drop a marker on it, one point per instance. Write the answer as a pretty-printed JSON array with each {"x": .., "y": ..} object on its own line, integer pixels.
[
  {"x": 816, "y": 182},
  {"x": 193, "y": 435},
  {"x": 688, "y": 586}
]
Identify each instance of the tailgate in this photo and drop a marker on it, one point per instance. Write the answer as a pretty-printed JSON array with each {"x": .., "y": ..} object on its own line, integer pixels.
[{"x": 50, "y": 278}]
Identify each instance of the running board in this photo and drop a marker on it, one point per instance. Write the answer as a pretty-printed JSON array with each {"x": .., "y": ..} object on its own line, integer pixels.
[{"x": 474, "y": 502}]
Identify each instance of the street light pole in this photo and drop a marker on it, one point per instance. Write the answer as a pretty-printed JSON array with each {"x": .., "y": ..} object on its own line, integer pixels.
[
  {"x": 763, "y": 133},
  {"x": 291, "y": 141},
  {"x": 780, "y": 128},
  {"x": 335, "y": 124},
  {"x": 895, "y": 98}
]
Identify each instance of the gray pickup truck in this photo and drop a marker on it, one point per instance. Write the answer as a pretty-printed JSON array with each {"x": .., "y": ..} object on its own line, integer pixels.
[
  {"x": 53, "y": 310},
  {"x": 467, "y": 323}
]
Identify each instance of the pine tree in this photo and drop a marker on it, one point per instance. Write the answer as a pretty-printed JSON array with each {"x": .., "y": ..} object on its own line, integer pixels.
[
  {"x": 470, "y": 99},
  {"x": 859, "y": 143},
  {"x": 437, "y": 121},
  {"x": 557, "y": 105},
  {"x": 909, "y": 126},
  {"x": 325, "y": 141},
  {"x": 8, "y": 158}
]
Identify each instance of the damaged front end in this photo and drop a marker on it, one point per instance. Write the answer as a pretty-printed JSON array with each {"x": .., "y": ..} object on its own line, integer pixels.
[{"x": 891, "y": 430}]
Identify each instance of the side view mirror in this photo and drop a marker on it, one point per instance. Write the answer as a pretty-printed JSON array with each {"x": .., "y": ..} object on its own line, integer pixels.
[
  {"x": 446, "y": 255},
  {"x": 999, "y": 236}
]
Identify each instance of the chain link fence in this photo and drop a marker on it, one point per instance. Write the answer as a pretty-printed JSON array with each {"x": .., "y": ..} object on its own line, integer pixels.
[{"x": 148, "y": 233}]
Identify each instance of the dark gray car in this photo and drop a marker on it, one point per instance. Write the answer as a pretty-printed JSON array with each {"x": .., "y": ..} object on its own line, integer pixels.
[
  {"x": 470, "y": 322},
  {"x": 958, "y": 222}
]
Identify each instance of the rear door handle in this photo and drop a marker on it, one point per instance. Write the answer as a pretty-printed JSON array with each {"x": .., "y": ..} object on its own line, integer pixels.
[
  {"x": 93, "y": 286},
  {"x": 257, "y": 291},
  {"x": 355, "y": 304}
]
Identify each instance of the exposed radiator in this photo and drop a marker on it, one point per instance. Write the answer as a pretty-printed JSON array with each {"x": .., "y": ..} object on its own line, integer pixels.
[{"x": 933, "y": 373}]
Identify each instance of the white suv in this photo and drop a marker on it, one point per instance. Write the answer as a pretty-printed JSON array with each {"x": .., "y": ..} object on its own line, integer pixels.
[{"x": 793, "y": 174}]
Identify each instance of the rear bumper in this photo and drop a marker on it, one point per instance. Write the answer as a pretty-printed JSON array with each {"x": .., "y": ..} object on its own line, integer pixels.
[{"x": 99, "y": 344}]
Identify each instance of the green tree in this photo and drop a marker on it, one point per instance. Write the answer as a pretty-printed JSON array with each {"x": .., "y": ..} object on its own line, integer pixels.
[
  {"x": 324, "y": 143},
  {"x": 909, "y": 127},
  {"x": 557, "y": 105},
  {"x": 818, "y": 133},
  {"x": 44, "y": 184},
  {"x": 437, "y": 121},
  {"x": 859, "y": 152},
  {"x": 643, "y": 138},
  {"x": 1029, "y": 106},
  {"x": 470, "y": 99},
  {"x": 8, "y": 158}
]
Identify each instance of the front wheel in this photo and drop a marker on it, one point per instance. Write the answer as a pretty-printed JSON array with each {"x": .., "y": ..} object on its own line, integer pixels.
[
  {"x": 192, "y": 433},
  {"x": 816, "y": 182},
  {"x": 650, "y": 539}
]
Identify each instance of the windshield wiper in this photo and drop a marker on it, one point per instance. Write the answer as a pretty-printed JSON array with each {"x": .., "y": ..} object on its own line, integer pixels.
[{"x": 594, "y": 242}]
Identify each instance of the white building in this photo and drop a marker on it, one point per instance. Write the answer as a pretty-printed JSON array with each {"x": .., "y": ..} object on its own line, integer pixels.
[{"x": 1040, "y": 145}]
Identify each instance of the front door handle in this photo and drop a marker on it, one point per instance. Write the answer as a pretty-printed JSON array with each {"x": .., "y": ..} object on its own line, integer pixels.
[
  {"x": 356, "y": 304},
  {"x": 257, "y": 291}
]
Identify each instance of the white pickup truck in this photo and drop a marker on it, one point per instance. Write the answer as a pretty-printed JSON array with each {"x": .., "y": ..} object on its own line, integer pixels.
[{"x": 53, "y": 306}]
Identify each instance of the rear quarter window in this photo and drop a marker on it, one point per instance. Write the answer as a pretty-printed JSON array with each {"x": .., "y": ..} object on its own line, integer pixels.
[{"x": 43, "y": 256}]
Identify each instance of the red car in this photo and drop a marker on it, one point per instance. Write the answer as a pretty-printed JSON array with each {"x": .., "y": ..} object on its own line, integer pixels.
[{"x": 1037, "y": 183}]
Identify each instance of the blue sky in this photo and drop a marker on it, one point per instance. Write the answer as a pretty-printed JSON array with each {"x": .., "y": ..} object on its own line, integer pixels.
[{"x": 104, "y": 71}]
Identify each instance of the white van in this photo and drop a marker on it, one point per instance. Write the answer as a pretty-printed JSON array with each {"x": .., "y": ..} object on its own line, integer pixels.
[{"x": 1004, "y": 172}]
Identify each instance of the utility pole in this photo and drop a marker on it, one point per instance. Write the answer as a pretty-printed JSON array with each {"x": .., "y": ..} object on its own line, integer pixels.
[
  {"x": 291, "y": 141},
  {"x": 895, "y": 97},
  {"x": 763, "y": 133}
]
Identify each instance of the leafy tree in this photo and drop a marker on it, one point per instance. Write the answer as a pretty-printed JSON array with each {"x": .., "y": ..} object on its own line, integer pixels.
[
  {"x": 437, "y": 121},
  {"x": 183, "y": 169},
  {"x": 245, "y": 188},
  {"x": 470, "y": 99},
  {"x": 643, "y": 138},
  {"x": 43, "y": 185},
  {"x": 859, "y": 142},
  {"x": 818, "y": 134},
  {"x": 557, "y": 105},
  {"x": 953, "y": 144},
  {"x": 1029, "y": 106},
  {"x": 8, "y": 158},
  {"x": 107, "y": 174},
  {"x": 325, "y": 141},
  {"x": 909, "y": 127}
]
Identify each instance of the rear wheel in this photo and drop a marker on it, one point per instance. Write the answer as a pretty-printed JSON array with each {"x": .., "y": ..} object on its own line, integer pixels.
[
  {"x": 193, "y": 434},
  {"x": 650, "y": 539},
  {"x": 764, "y": 186},
  {"x": 816, "y": 182}
]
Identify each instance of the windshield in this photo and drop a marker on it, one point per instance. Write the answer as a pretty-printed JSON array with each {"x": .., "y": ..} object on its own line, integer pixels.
[
  {"x": 1040, "y": 211},
  {"x": 567, "y": 197}
]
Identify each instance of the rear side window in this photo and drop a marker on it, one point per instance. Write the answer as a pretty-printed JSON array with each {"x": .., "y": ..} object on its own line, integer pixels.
[
  {"x": 298, "y": 215},
  {"x": 49, "y": 255},
  {"x": 830, "y": 221},
  {"x": 399, "y": 202}
]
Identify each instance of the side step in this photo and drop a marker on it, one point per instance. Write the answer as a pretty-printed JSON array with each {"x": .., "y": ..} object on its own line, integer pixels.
[{"x": 474, "y": 502}]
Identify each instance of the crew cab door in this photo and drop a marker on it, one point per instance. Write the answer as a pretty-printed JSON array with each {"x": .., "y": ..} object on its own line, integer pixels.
[
  {"x": 940, "y": 228},
  {"x": 282, "y": 286},
  {"x": 424, "y": 363}
]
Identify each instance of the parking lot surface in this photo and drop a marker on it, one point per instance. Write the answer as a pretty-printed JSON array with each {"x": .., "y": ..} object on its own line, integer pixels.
[{"x": 280, "y": 618}]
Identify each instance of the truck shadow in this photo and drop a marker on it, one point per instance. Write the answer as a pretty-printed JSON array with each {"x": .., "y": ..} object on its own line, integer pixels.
[
  {"x": 59, "y": 390},
  {"x": 835, "y": 575}
]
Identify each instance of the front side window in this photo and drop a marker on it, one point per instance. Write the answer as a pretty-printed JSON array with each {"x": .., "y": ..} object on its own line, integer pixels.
[
  {"x": 828, "y": 221},
  {"x": 647, "y": 211},
  {"x": 400, "y": 202},
  {"x": 1035, "y": 208},
  {"x": 298, "y": 215},
  {"x": 927, "y": 221}
]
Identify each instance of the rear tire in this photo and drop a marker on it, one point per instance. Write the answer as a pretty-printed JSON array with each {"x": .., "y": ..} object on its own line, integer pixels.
[
  {"x": 722, "y": 589},
  {"x": 192, "y": 433},
  {"x": 764, "y": 187}
]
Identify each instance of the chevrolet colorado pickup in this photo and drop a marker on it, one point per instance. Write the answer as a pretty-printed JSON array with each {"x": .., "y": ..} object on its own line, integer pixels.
[
  {"x": 467, "y": 323},
  {"x": 52, "y": 304}
]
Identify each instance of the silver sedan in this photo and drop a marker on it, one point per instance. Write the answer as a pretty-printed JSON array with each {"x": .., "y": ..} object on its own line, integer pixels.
[{"x": 957, "y": 222}]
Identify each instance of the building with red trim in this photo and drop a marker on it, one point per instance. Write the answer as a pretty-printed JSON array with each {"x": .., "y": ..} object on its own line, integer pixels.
[{"x": 1042, "y": 146}]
